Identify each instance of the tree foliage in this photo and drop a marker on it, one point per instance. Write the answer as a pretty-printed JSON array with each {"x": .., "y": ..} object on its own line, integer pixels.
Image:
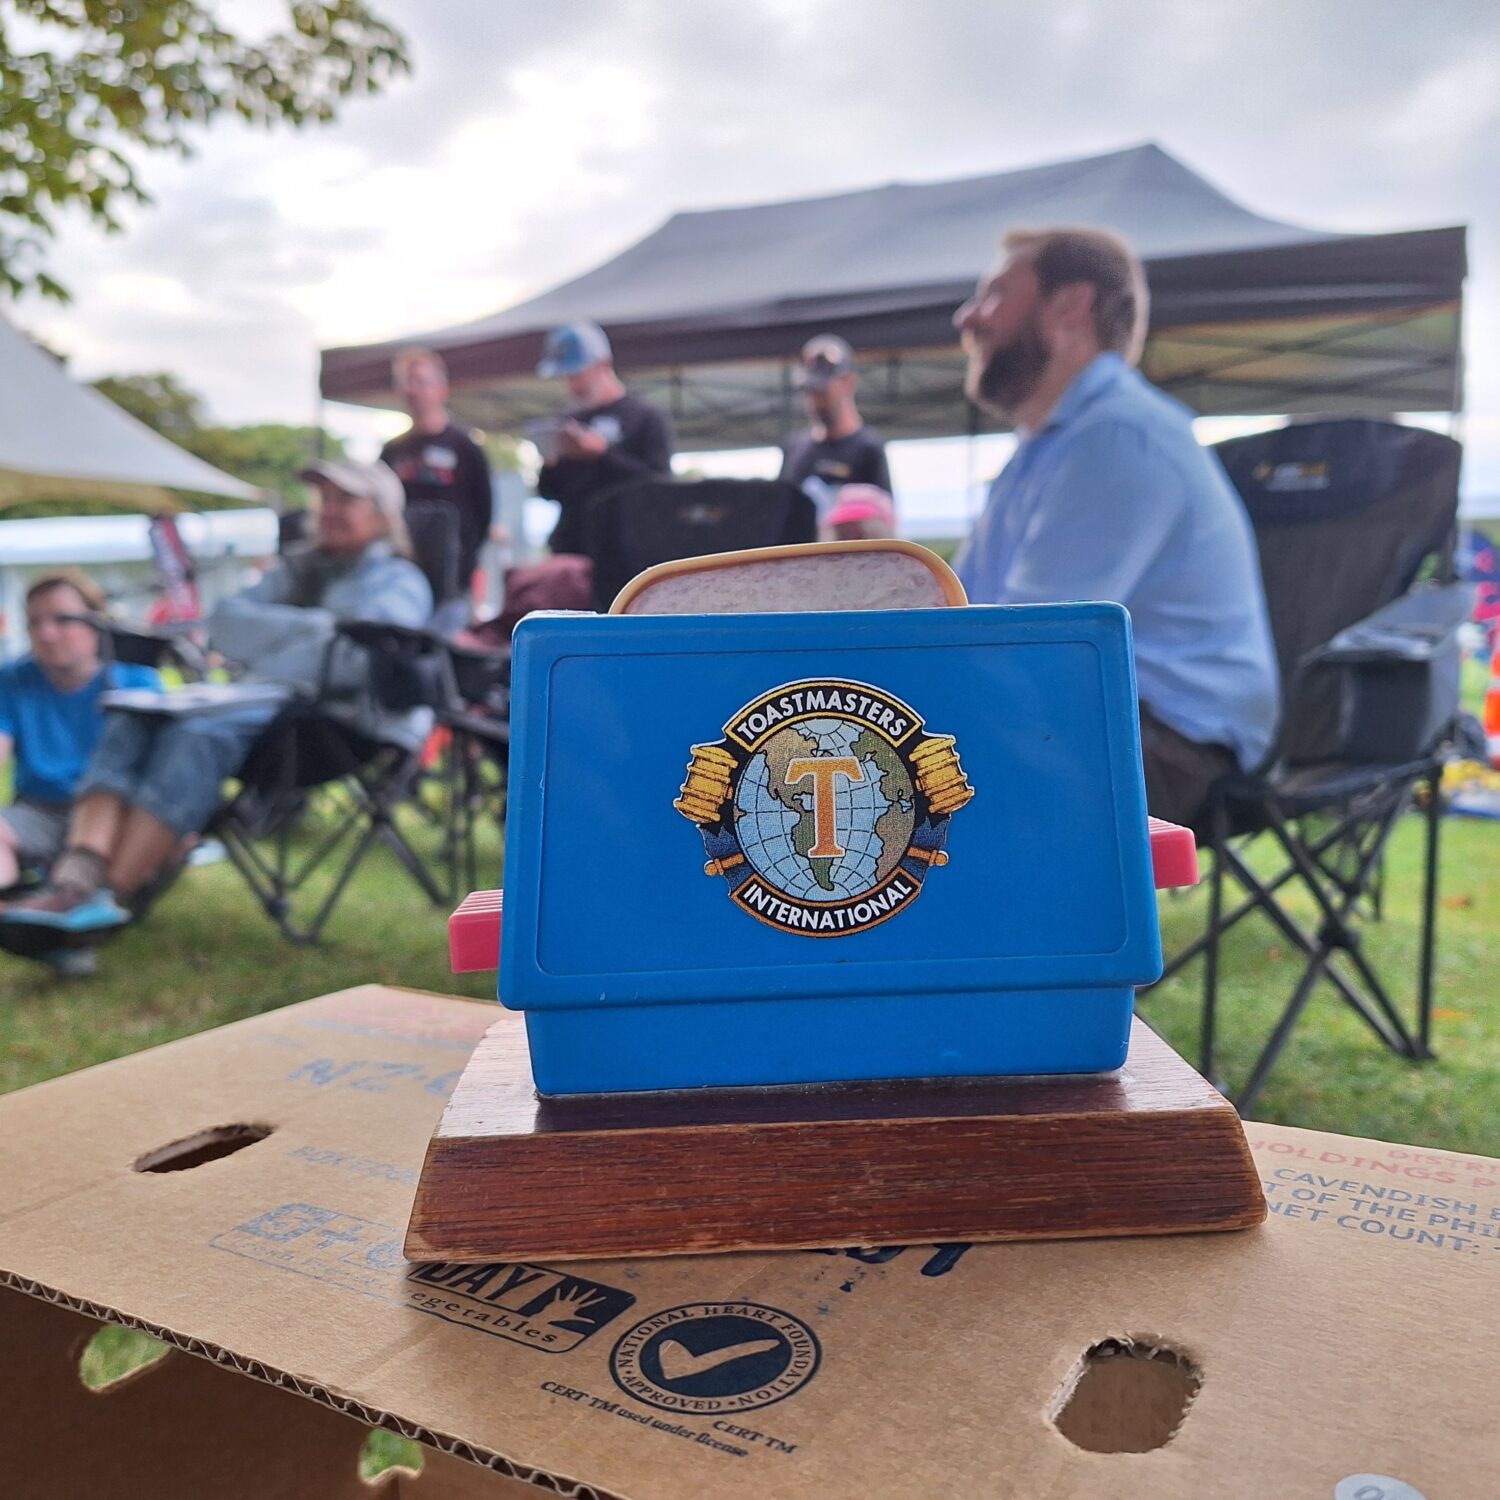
[
  {"x": 268, "y": 455},
  {"x": 86, "y": 86},
  {"x": 160, "y": 401}
]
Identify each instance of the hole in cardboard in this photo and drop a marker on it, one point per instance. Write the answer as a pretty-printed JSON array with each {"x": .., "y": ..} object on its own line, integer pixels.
[
  {"x": 114, "y": 1355},
  {"x": 1126, "y": 1396},
  {"x": 383, "y": 1451},
  {"x": 202, "y": 1146}
]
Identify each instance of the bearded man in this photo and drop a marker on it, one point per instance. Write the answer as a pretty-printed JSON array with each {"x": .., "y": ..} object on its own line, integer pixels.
[{"x": 1109, "y": 496}]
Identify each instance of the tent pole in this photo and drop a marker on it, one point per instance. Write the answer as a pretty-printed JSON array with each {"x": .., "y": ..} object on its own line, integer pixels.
[{"x": 1456, "y": 402}]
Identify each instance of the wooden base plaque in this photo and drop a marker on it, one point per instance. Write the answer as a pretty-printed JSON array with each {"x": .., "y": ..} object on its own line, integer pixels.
[{"x": 1152, "y": 1149}]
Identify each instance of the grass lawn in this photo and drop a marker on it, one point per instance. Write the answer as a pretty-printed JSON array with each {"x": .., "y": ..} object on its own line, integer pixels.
[
  {"x": 206, "y": 956},
  {"x": 1333, "y": 1074}
]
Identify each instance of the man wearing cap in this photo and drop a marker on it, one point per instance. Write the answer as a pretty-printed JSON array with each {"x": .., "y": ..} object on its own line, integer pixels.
[
  {"x": 1109, "y": 496},
  {"x": 838, "y": 449},
  {"x": 606, "y": 438},
  {"x": 435, "y": 459},
  {"x": 154, "y": 779}
]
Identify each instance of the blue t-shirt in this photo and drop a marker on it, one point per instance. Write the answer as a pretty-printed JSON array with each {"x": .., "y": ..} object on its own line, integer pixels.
[
  {"x": 53, "y": 734},
  {"x": 1113, "y": 498}
]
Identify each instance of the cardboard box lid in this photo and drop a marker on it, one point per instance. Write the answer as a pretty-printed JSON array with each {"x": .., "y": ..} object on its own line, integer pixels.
[{"x": 1348, "y": 1337}]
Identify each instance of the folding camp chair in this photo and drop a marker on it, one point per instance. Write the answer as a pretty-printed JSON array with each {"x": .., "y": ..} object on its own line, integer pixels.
[
  {"x": 161, "y": 646},
  {"x": 312, "y": 745},
  {"x": 1348, "y": 516},
  {"x": 318, "y": 792},
  {"x": 477, "y": 723},
  {"x": 476, "y": 720},
  {"x": 635, "y": 526}
]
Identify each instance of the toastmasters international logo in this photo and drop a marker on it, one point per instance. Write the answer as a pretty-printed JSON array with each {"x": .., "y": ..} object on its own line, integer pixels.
[{"x": 824, "y": 806}]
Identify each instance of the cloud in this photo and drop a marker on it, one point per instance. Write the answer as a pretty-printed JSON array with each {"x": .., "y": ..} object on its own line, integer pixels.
[{"x": 532, "y": 142}]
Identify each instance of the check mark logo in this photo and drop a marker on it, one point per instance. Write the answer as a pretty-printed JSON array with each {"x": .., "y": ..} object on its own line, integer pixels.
[{"x": 678, "y": 1363}]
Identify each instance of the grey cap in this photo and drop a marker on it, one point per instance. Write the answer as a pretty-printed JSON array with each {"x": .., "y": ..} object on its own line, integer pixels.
[
  {"x": 824, "y": 359},
  {"x": 376, "y": 481}
]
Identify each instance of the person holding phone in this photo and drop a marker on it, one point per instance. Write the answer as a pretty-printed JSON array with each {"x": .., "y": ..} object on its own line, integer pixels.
[{"x": 605, "y": 438}]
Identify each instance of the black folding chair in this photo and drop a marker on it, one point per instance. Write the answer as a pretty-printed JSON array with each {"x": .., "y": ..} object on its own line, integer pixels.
[
  {"x": 635, "y": 526},
  {"x": 477, "y": 758},
  {"x": 1355, "y": 524},
  {"x": 314, "y": 745},
  {"x": 318, "y": 791}
]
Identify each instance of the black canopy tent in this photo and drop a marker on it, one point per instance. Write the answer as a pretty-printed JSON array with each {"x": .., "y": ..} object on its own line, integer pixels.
[{"x": 707, "y": 313}]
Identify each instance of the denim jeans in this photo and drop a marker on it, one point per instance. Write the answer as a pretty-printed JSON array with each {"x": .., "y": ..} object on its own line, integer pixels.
[
  {"x": 38, "y": 830},
  {"x": 173, "y": 767}
]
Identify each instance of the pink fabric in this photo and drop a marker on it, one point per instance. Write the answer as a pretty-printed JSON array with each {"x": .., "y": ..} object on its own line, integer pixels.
[{"x": 863, "y": 502}]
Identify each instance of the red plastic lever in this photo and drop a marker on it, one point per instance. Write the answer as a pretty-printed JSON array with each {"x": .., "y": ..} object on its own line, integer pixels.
[
  {"x": 474, "y": 933},
  {"x": 1174, "y": 854}
]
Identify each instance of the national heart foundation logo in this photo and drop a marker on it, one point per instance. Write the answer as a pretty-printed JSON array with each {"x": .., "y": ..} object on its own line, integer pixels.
[{"x": 708, "y": 1357}]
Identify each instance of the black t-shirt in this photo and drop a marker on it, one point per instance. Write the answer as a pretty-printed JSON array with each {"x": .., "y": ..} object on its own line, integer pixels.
[
  {"x": 640, "y": 445},
  {"x": 856, "y": 459},
  {"x": 447, "y": 465}
]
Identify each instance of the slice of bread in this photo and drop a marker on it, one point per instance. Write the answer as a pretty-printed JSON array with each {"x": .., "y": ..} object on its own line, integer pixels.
[{"x": 777, "y": 580}]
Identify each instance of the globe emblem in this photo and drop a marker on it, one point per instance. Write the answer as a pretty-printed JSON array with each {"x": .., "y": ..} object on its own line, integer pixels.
[
  {"x": 824, "y": 806},
  {"x": 781, "y": 816}
]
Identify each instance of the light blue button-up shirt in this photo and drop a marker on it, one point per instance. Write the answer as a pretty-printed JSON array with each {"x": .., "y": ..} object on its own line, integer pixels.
[{"x": 1113, "y": 498}]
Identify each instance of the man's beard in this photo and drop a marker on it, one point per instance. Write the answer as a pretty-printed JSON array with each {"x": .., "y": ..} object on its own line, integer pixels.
[{"x": 1011, "y": 373}]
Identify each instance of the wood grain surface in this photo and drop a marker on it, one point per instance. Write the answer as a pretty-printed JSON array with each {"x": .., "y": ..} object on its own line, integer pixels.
[{"x": 1152, "y": 1149}]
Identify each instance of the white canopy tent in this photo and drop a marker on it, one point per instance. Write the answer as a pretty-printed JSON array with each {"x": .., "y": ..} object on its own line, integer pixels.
[
  {"x": 59, "y": 440},
  {"x": 116, "y": 551}
]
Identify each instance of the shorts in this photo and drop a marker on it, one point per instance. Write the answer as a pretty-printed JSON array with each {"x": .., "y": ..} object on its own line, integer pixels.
[
  {"x": 174, "y": 767},
  {"x": 39, "y": 830}
]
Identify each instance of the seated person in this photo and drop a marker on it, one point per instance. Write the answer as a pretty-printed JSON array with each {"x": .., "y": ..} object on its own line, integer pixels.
[
  {"x": 155, "y": 780},
  {"x": 1109, "y": 496},
  {"x": 50, "y": 719}
]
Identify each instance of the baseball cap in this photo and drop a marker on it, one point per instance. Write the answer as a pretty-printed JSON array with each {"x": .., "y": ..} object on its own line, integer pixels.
[
  {"x": 376, "y": 481},
  {"x": 824, "y": 358},
  {"x": 863, "y": 502},
  {"x": 571, "y": 349}
]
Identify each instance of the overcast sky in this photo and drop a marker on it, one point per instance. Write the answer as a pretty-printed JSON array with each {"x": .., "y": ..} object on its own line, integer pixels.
[{"x": 533, "y": 141}]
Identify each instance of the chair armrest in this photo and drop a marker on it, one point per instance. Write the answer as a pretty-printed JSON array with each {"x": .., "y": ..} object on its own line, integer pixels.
[
  {"x": 145, "y": 645},
  {"x": 407, "y": 667},
  {"x": 1393, "y": 679},
  {"x": 1414, "y": 628},
  {"x": 196, "y": 699},
  {"x": 377, "y": 635},
  {"x": 477, "y": 673}
]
